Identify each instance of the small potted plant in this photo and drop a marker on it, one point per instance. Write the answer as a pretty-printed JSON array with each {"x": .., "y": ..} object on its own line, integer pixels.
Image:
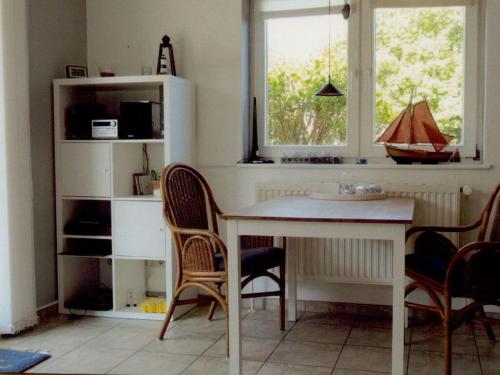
[{"x": 155, "y": 183}]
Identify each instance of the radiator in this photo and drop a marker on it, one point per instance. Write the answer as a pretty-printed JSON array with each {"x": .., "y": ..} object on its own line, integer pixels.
[{"x": 363, "y": 261}]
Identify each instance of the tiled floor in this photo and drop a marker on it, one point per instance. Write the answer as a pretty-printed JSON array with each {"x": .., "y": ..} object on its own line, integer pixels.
[{"x": 319, "y": 343}]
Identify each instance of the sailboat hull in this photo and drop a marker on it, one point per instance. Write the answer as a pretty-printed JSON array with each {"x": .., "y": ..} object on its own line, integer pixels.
[{"x": 408, "y": 156}]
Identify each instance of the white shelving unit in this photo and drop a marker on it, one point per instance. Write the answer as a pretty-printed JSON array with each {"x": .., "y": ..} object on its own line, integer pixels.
[{"x": 109, "y": 272}]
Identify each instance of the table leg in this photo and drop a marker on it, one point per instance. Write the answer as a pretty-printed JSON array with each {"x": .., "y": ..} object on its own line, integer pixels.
[
  {"x": 234, "y": 298},
  {"x": 398, "y": 310},
  {"x": 291, "y": 272}
]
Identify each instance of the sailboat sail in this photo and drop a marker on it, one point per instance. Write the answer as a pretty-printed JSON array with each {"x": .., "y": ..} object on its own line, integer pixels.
[
  {"x": 415, "y": 125},
  {"x": 425, "y": 129}
]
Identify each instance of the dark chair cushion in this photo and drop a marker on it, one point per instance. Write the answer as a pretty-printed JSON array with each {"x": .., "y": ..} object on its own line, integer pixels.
[
  {"x": 435, "y": 267},
  {"x": 431, "y": 258},
  {"x": 256, "y": 260},
  {"x": 434, "y": 244}
]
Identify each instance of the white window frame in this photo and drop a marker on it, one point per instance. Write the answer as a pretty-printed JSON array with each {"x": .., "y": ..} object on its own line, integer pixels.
[
  {"x": 473, "y": 68},
  {"x": 259, "y": 74},
  {"x": 361, "y": 77}
]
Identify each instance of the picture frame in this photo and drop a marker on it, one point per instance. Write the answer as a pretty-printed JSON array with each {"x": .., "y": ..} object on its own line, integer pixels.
[{"x": 75, "y": 71}]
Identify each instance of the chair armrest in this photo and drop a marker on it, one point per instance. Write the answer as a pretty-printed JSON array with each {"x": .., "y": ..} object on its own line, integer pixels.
[
  {"x": 463, "y": 251},
  {"x": 437, "y": 228},
  {"x": 205, "y": 234}
]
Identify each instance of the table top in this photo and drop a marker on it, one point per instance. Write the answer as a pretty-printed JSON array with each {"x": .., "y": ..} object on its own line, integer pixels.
[{"x": 301, "y": 208}]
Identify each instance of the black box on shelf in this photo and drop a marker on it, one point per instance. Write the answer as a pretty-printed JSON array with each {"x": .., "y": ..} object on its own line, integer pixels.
[
  {"x": 139, "y": 120},
  {"x": 79, "y": 119}
]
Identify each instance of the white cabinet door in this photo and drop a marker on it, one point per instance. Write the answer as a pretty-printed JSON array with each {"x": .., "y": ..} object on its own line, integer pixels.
[
  {"x": 85, "y": 169},
  {"x": 139, "y": 230}
]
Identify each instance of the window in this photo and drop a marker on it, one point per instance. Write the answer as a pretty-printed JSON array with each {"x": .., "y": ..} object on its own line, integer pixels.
[
  {"x": 297, "y": 44},
  {"x": 378, "y": 56}
]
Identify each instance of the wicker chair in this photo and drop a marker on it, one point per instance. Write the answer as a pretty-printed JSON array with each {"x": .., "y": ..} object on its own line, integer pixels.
[
  {"x": 438, "y": 268},
  {"x": 191, "y": 213}
]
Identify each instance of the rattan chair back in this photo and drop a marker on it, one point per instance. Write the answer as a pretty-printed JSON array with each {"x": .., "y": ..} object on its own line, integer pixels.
[{"x": 189, "y": 204}]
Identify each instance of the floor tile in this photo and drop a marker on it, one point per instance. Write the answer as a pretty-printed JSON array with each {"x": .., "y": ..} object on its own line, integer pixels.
[
  {"x": 365, "y": 358},
  {"x": 373, "y": 321},
  {"x": 306, "y": 353},
  {"x": 431, "y": 363},
  {"x": 123, "y": 338},
  {"x": 284, "y": 369},
  {"x": 154, "y": 363},
  {"x": 487, "y": 347},
  {"x": 253, "y": 349},
  {"x": 97, "y": 321},
  {"x": 272, "y": 315},
  {"x": 327, "y": 318},
  {"x": 218, "y": 366},
  {"x": 342, "y": 371},
  {"x": 461, "y": 344},
  {"x": 331, "y": 308},
  {"x": 69, "y": 335},
  {"x": 436, "y": 328},
  {"x": 369, "y": 336},
  {"x": 322, "y": 333},
  {"x": 88, "y": 360},
  {"x": 480, "y": 331},
  {"x": 264, "y": 329},
  {"x": 201, "y": 325},
  {"x": 153, "y": 325},
  {"x": 178, "y": 342},
  {"x": 490, "y": 365}
]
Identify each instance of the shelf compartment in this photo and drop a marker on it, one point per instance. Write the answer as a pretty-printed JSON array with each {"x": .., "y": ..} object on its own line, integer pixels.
[
  {"x": 87, "y": 283},
  {"x": 86, "y": 247},
  {"x": 136, "y": 281},
  {"x": 109, "y": 93},
  {"x": 86, "y": 219},
  {"x": 128, "y": 159}
]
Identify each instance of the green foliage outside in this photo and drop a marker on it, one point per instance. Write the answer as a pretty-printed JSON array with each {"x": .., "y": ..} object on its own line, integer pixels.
[{"x": 415, "y": 47}]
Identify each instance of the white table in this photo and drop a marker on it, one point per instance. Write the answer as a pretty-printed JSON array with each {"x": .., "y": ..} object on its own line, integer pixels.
[{"x": 296, "y": 216}]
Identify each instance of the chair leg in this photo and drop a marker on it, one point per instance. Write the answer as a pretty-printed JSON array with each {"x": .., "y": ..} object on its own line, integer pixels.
[
  {"x": 282, "y": 296},
  {"x": 170, "y": 311},
  {"x": 211, "y": 310},
  {"x": 227, "y": 333},
  {"x": 486, "y": 325},
  {"x": 447, "y": 336}
]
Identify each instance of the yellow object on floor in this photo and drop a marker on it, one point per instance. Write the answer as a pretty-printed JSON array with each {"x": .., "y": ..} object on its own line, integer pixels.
[{"x": 154, "y": 305}]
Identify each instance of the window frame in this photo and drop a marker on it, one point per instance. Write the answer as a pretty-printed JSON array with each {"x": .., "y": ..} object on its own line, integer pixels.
[
  {"x": 259, "y": 76},
  {"x": 361, "y": 76},
  {"x": 472, "y": 70}
]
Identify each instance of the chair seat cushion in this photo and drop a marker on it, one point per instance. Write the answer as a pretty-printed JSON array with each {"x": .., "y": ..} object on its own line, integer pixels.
[
  {"x": 435, "y": 267},
  {"x": 256, "y": 260}
]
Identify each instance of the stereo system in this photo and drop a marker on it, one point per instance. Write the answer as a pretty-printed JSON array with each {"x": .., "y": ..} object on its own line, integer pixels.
[
  {"x": 105, "y": 129},
  {"x": 137, "y": 120}
]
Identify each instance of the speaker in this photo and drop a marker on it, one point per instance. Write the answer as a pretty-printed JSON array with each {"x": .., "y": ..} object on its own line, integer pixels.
[
  {"x": 79, "y": 119},
  {"x": 137, "y": 120}
]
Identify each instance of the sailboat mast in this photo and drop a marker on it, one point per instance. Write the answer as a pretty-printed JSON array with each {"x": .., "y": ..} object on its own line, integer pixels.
[{"x": 410, "y": 107}]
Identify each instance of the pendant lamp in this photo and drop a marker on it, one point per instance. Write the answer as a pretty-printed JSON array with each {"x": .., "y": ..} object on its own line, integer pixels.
[{"x": 329, "y": 89}]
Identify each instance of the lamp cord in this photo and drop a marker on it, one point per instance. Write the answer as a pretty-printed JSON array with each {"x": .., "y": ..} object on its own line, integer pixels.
[{"x": 329, "y": 41}]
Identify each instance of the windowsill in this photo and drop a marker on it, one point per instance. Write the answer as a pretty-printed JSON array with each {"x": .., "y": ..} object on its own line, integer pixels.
[{"x": 454, "y": 166}]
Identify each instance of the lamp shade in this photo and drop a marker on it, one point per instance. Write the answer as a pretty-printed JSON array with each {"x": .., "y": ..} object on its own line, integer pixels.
[{"x": 329, "y": 90}]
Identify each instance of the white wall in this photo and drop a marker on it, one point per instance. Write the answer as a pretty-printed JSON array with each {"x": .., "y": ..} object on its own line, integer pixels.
[
  {"x": 17, "y": 282},
  {"x": 57, "y": 37},
  {"x": 207, "y": 37}
]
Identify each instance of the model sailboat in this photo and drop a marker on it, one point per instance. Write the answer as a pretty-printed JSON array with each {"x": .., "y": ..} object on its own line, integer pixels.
[{"x": 416, "y": 125}]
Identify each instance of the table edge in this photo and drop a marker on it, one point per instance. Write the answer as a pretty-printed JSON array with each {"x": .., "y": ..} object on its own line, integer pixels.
[{"x": 229, "y": 217}]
